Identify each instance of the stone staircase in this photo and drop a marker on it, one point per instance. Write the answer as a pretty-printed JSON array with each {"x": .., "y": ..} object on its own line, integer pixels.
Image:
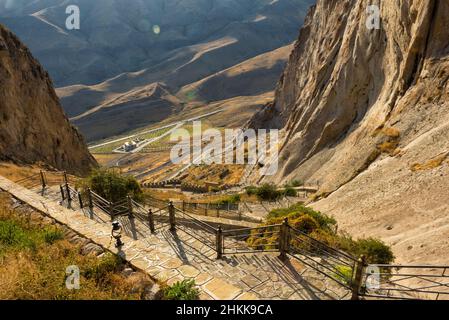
[{"x": 173, "y": 256}]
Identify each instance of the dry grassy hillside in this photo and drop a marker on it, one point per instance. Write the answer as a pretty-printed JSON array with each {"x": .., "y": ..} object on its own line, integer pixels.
[{"x": 252, "y": 77}]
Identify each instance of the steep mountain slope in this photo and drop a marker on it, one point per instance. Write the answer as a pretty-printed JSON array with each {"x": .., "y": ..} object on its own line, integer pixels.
[
  {"x": 254, "y": 76},
  {"x": 33, "y": 127},
  {"x": 118, "y": 36},
  {"x": 365, "y": 112},
  {"x": 127, "y": 95},
  {"x": 134, "y": 109},
  {"x": 126, "y": 46}
]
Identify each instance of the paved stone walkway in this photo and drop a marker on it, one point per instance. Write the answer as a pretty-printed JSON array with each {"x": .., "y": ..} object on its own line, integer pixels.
[{"x": 174, "y": 256}]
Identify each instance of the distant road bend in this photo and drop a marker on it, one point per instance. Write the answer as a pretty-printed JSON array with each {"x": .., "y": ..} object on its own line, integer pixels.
[
  {"x": 128, "y": 156},
  {"x": 174, "y": 124}
]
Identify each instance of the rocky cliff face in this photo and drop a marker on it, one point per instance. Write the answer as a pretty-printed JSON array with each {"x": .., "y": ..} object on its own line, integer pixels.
[
  {"x": 365, "y": 112},
  {"x": 33, "y": 127}
]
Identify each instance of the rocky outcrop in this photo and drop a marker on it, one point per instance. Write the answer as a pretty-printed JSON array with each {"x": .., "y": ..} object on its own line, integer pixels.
[
  {"x": 350, "y": 94},
  {"x": 33, "y": 126},
  {"x": 365, "y": 112}
]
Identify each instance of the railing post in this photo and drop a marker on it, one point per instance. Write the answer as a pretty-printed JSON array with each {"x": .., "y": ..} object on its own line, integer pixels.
[
  {"x": 284, "y": 240},
  {"x": 171, "y": 215},
  {"x": 69, "y": 196},
  {"x": 80, "y": 200},
  {"x": 358, "y": 278},
  {"x": 89, "y": 197},
  {"x": 62, "y": 192},
  {"x": 219, "y": 242},
  {"x": 66, "y": 181},
  {"x": 151, "y": 220},
  {"x": 183, "y": 205},
  {"x": 130, "y": 206},
  {"x": 111, "y": 210},
  {"x": 43, "y": 182}
]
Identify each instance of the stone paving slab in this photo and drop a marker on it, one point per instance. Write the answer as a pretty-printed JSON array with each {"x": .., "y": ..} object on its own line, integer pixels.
[{"x": 171, "y": 257}]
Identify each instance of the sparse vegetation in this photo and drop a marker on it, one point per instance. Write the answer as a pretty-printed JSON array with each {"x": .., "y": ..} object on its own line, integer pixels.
[
  {"x": 34, "y": 258},
  {"x": 222, "y": 174},
  {"x": 322, "y": 228},
  {"x": 344, "y": 274},
  {"x": 266, "y": 192},
  {"x": 251, "y": 190},
  {"x": 181, "y": 290},
  {"x": 296, "y": 183},
  {"x": 290, "y": 191},
  {"x": 270, "y": 192},
  {"x": 106, "y": 265},
  {"x": 232, "y": 199},
  {"x": 112, "y": 185},
  {"x": 388, "y": 147},
  {"x": 431, "y": 164},
  {"x": 52, "y": 234},
  {"x": 389, "y": 140}
]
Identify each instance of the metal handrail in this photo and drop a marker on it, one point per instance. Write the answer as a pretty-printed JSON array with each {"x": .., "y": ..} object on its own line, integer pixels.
[
  {"x": 27, "y": 178},
  {"x": 324, "y": 245},
  {"x": 100, "y": 198},
  {"x": 251, "y": 229},
  {"x": 201, "y": 223},
  {"x": 415, "y": 283},
  {"x": 394, "y": 266},
  {"x": 330, "y": 274}
]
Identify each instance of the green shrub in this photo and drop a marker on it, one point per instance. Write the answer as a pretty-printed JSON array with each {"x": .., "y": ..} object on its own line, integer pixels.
[
  {"x": 13, "y": 235},
  {"x": 52, "y": 235},
  {"x": 321, "y": 228},
  {"x": 251, "y": 190},
  {"x": 325, "y": 222},
  {"x": 375, "y": 250},
  {"x": 296, "y": 183},
  {"x": 344, "y": 274},
  {"x": 290, "y": 192},
  {"x": 104, "y": 266},
  {"x": 112, "y": 185},
  {"x": 268, "y": 192},
  {"x": 233, "y": 199},
  {"x": 184, "y": 290},
  {"x": 305, "y": 223}
]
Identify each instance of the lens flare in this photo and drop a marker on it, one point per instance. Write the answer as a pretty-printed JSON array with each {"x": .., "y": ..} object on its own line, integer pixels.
[{"x": 156, "y": 29}]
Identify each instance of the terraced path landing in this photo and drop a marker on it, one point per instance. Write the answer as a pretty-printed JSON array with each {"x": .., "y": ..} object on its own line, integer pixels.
[{"x": 174, "y": 256}]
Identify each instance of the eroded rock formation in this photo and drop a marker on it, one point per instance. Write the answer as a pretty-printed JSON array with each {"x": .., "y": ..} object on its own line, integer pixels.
[
  {"x": 365, "y": 112},
  {"x": 33, "y": 126}
]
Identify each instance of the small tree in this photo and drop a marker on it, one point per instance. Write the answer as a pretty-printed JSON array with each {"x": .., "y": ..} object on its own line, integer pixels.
[
  {"x": 290, "y": 191},
  {"x": 112, "y": 185},
  {"x": 268, "y": 192}
]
